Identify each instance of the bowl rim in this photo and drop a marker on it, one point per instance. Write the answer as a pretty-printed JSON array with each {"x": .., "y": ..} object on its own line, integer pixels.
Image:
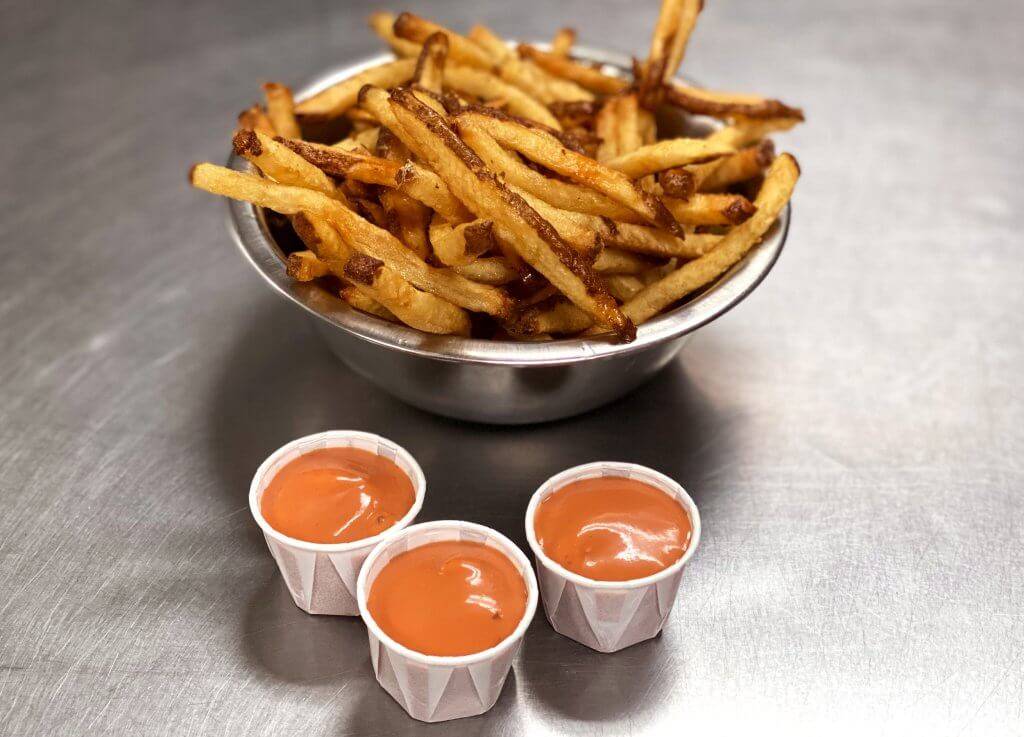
[{"x": 249, "y": 230}]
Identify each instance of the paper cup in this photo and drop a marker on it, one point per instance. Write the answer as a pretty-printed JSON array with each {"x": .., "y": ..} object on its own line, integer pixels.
[
  {"x": 434, "y": 688},
  {"x": 321, "y": 576},
  {"x": 608, "y": 615}
]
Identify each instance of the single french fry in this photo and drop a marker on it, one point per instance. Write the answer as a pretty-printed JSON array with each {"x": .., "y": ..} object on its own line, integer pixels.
[
  {"x": 254, "y": 119},
  {"x": 564, "y": 195},
  {"x": 361, "y": 234},
  {"x": 458, "y": 245},
  {"x": 364, "y": 303},
  {"x": 281, "y": 110},
  {"x": 430, "y": 65},
  {"x": 560, "y": 318},
  {"x": 424, "y": 185},
  {"x": 282, "y": 164},
  {"x": 666, "y": 154},
  {"x": 687, "y": 21},
  {"x": 561, "y": 44},
  {"x": 460, "y": 49},
  {"x": 738, "y": 167},
  {"x": 775, "y": 193},
  {"x": 666, "y": 28},
  {"x": 487, "y": 86},
  {"x": 494, "y": 271},
  {"x": 746, "y": 131},
  {"x": 616, "y": 261},
  {"x": 633, "y": 120},
  {"x": 305, "y": 266},
  {"x": 336, "y": 162},
  {"x": 623, "y": 286},
  {"x": 382, "y": 24},
  {"x": 335, "y": 100},
  {"x": 606, "y": 126},
  {"x": 492, "y": 44},
  {"x": 563, "y": 67},
  {"x": 726, "y": 104},
  {"x": 655, "y": 242},
  {"x": 514, "y": 220},
  {"x": 711, "y": 209},
  {"x": 548, "y": 151}
]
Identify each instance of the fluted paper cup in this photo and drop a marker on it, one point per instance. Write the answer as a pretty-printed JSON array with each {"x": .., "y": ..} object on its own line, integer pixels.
[
  {"x": 322, "y": 576},
  {"x": 608, "y": 615},
  {"x": 434, "y": 688}
]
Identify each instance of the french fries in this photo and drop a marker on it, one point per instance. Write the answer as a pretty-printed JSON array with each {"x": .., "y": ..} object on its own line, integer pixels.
[
  {"x": 775, "y": 193},
  {"x": 514, "y": 220},
  {"x": 539, "y": 190}
]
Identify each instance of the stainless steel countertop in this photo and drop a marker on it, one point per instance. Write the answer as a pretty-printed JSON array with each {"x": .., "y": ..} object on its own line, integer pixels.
[{"x": 852, "y": 433}]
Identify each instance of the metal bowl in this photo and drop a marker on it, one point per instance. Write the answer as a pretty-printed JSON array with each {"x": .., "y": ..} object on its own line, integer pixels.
[{"x": 497, "y": 382}]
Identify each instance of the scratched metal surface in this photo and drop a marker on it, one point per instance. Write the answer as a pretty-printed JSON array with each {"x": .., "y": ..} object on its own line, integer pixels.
[{"x": 852, "y": 433}]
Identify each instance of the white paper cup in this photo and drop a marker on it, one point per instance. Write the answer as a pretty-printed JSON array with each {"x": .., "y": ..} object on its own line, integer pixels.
[
  {"x": 608, "y": 615},
  {"x": 322, "y": 576},
  {"x": 434, "y": 688}
]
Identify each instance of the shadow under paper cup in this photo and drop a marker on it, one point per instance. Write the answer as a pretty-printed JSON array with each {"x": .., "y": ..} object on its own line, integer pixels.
[
  {"x": 609, "y": 615},
  {"x": 322, "y": 576},
  {"x": 434, "y": 688}
]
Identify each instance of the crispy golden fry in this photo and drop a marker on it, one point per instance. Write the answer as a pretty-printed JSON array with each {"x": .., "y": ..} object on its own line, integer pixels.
[
  {"x": 489, "y": 87},
  {"x": 633, "y": 120},
  {"x": 577, "y": 229},
  {"x": 623, "y": 286},
  {"x": 282, "y": 164},
  {"x": 458, "y": 245},
  {"x": 687, "y": 21},
  {"x": 548, "y": 151},
  {"x": 563, "y": 195},
  {"x": 495, "y": 271},
  {"x": 460, "y": 49},
  {"x": 747, "y": 131},
  {"x": 615, "y": 261},
  {"x": 359, "y": 233},
  {"x": 563, "y": 41},
  {"x": 711, "y": 209},
  {"x": 606, "y": 125},
  {"x": 383, "y": 286},
  {"x": 338, "y": 98},
  {"x": 338, "y": 163},
  {"x": 563, "y": 67},
  {"x": 524, "y": 74},
  {"x": 281, "y": 110},
  {"x": 666, "y": 28},
  {"x": 305, "y": 266},
  {"x": 655, "y": 242},
  {"x": 364, "y": 303},
  {"x": 254, "y": 119},
  {"x": 382, "y": 24},
  {"x": 515, "y": 221},
  {"x": 738, "y": 167},
  {"x": 775, "y": 193},
  {"x": 560, "y": 318},
  {"x": 409, "y": 220},
  {"x": 666, "y": 154},
  {"x": 727, "y": 104},
  {"x": 430, "y": 65}
]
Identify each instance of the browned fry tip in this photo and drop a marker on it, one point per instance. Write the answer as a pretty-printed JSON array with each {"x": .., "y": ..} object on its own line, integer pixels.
[
  {"x": 739, "y": 210},
  {"x": 362, "y": 268},
  {"x": 246, "y": 142}
]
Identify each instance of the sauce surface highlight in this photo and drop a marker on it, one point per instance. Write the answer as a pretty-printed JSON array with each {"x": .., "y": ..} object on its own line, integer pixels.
[
  {"x": 337, "y": 495},
  {"x": 448, "y": 598},
  {"x": 612, "y": 529}
]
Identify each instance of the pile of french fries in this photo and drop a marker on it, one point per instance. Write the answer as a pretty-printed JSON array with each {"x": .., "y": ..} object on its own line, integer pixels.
[{"x": 521, "y": 186}]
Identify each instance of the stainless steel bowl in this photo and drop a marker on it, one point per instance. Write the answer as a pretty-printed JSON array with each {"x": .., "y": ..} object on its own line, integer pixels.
[{"x": 495, "y": 381}]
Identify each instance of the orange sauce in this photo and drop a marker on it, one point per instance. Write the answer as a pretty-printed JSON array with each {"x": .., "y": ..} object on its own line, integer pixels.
[
  {"x": 337, "y": 495},
  {"x": 612, "y": 529},
  {"x": 448, "y": 598}
]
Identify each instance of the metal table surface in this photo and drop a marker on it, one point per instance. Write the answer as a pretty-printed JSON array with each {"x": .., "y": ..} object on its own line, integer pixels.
[{"x": 852, "y": 432}]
